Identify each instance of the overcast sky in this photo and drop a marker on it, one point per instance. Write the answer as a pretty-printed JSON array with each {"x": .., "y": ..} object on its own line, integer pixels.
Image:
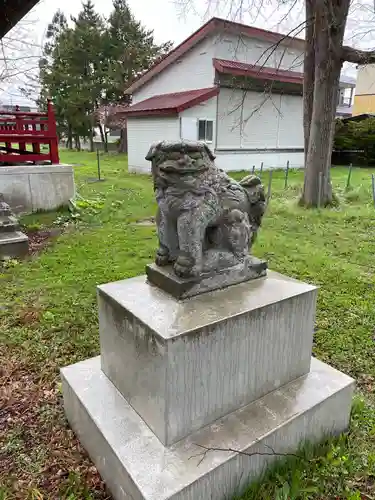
[
  {"x": 166, "y": 17},
  {"x": 159, "y": 15}
]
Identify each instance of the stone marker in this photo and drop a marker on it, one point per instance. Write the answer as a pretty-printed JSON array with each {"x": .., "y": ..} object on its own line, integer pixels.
[
  {"x": 206, "y": 356},
  {"x": 13, "y": 243}
]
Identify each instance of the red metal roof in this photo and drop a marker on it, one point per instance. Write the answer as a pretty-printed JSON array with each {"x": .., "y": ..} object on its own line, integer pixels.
[
  {"x": 214, "y": 25},
  {"x": 168, "y": 104},
  {"x": 260, "y": 72}
]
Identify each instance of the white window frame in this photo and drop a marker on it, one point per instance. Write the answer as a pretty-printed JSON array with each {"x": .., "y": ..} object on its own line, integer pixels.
[{"x": 209, "y": 141}]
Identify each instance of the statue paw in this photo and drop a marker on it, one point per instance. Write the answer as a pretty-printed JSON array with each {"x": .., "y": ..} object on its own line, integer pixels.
[
  {"x": 162, "y": 257},
  {"x": 185, "y": 268}
]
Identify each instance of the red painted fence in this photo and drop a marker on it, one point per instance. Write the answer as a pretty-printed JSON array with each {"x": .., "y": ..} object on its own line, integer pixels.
[{"x": 21, "y": 135}]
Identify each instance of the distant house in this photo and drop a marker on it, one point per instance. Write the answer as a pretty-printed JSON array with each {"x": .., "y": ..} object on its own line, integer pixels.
[
  {"x": 12, "y": 108},
  {"x": 237, "y": 87},
  {"x": 364, "y": 100},
  {"x": 345, "y": 97}
]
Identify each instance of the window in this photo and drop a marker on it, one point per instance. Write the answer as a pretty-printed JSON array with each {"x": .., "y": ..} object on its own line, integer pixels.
[{"x": 205, "y": 130}]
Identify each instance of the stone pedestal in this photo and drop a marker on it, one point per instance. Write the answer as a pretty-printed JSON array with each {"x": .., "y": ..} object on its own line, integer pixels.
[
  {"x": 29, "y": 188},
  {"x": 13, "y": 243},
  {"x": 226, "y": 369}
]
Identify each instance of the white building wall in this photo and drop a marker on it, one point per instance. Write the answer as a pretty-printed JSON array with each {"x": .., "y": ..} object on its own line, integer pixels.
[
  {"x": 254, "y": 120},
  {"x": 193, "y": 71},
  {"x": 366, "y": 79},
  {"x": 245, "y": 160},
  {"x": 204, "y": 111},
  {"x": 290, "y": 133},
  {"x": 259, "y": 52},
  {"x": 142, "y": 132}
]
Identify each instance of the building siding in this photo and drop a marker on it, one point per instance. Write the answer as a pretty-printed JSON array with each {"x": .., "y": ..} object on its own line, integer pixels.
[
  {"x": 258, "y": 52},
  {"x": 193, "y": 71},
  {"x": 290, "y": 132},
  {"x": 364, "y": 104},
  {"x": 204, "y": 111},
  {"x": 365, "y": 80},
  {"x": 245, "y": 160},
  {"x": 142, "y": 132},
  {"x": 253, "y": 120}
]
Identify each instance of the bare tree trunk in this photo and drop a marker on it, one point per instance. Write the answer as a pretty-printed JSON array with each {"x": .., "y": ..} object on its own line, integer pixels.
[
  {"x": 309, "y": 73},
  {"x": 103, "y": 138},
  {"x": 69, "y": 141},
  {"x": 330, "y": 20},
  {"x": 77, "y": 142},
  {"x": 123, "y": 146},
  {"x": 91, "y": 139}
]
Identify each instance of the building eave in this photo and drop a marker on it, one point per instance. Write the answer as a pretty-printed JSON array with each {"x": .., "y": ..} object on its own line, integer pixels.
[
  {"x": 188, "y": 98},
  {"x": 258, "y": 72}
]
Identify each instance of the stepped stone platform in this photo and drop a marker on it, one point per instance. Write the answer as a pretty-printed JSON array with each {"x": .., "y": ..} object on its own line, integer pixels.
[{"x": 183, "y": 388}]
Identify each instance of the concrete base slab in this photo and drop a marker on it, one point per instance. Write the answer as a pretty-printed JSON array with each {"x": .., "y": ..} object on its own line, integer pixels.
[
  {"x": 136, "y": 465},
  {"x": 182, "y": 288},
  {"x": 13, "y": 244}
]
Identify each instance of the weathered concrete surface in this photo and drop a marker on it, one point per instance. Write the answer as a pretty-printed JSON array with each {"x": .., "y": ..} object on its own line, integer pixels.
[
  {"x": 135, "y": 464},
  {"x": 184, "y": 364},
  {"x": 13, "y": 245},
  {"x": 37, "y": 187},
  {"x": 181, "y": 288}
]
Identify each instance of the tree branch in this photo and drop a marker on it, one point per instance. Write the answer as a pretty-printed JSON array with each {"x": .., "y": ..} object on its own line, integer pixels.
[
  {"x": 271, "y": 453},
  {"x": 357, "y": 56}
]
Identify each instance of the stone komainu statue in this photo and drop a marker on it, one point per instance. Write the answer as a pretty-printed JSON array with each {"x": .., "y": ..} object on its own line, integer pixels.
[{"x": 206, "y": 220}]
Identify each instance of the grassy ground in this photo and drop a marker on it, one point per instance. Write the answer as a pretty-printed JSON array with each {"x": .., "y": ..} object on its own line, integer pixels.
[{"x": 48, "y": 319}]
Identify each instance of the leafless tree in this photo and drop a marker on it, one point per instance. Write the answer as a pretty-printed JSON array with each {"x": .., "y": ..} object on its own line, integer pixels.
[
  {"x": 19, "y": 60},
  {"x": 325, "y": 23}
]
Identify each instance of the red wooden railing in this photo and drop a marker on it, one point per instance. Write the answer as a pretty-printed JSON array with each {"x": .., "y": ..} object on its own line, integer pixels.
[{"x": 21, "y": 135}]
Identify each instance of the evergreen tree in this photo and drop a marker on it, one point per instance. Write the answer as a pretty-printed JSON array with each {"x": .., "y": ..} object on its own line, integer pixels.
[
  {"x": 130, "y": 50},
  {"x": 86, "y": 61},
  {"x": 55, "y": 74},
  {"x": 89, "y": 64}
]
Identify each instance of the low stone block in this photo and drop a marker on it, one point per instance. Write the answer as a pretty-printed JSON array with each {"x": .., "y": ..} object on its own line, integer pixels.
[
  {"x": 28, "y": 188},
  {"x": 184, "y": 364},
  {"x": 182, "y": 288},
  {"x": 135, "y": 464},
  {"x": 13, "y": 245},
  {"x": 8, "y": 224}
]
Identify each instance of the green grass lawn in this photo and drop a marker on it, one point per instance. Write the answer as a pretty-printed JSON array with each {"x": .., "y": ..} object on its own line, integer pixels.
[{"x": 48, "y": 318}]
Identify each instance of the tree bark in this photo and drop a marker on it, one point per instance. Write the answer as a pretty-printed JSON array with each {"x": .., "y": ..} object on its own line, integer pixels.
[
  {"x": 103, "y": 138},
  {"x": 123, "y": 146},
  {"x": 309, "y": 73},
  {"x": 77, "y": 142},
  {"x": 69, "y": 141},
  {"x": 357, "y": 56},
  {"x": 91, "y": 139},
  {"x": 330, "y": 21}
]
